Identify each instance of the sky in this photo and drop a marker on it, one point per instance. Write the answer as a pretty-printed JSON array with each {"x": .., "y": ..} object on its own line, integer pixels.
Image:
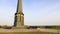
[{"x": 36, "y": 12}]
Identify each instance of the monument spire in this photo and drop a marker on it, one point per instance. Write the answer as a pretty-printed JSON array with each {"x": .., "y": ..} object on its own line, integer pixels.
[
  {"x": 19, "y": 6},
  {"x": 19, "y": 16}
]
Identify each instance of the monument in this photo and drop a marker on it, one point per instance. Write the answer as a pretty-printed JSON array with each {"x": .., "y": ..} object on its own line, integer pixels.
[{"x": 19, "y": 16}]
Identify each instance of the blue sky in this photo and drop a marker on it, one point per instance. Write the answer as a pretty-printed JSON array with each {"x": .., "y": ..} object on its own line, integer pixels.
[{"x": 36, "y": 12}]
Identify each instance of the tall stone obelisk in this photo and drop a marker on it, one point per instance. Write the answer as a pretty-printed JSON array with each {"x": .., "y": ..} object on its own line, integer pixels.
[{"x": 19, "y": 16}]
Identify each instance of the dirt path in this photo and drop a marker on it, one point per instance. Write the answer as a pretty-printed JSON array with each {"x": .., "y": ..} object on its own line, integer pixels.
[{"x": 29, "y": 30}]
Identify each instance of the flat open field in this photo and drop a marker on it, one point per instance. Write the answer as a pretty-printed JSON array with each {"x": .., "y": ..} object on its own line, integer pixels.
[
  {"x": 54, "y": 28},
  {"x": 29, "y": 30},
  {"x": 28, "y": 33}
]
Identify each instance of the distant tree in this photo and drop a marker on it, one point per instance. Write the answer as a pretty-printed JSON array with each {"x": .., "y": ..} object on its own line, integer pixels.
[
  {"x": 6, "y": 27},
  {"x": 0, "y": 26},
  {"x": 48, "y": 26}
]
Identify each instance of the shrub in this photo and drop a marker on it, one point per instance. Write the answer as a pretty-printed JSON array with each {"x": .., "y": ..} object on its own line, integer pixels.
[
  {"x": 6, "y": 27},
  {"x": 0, "y": 27}
]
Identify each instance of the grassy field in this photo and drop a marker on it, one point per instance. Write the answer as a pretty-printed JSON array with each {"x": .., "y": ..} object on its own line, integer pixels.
[
  {"x": 53, "y": 28},
  {"x": 28, "y": 33}
]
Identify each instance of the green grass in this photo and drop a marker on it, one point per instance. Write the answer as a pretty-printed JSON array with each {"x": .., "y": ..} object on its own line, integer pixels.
[
  {"x": 28, "y": 33},
  {"x": 54, "y": 28}
]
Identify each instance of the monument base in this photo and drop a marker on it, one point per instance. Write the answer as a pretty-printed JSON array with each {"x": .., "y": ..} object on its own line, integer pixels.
[{"x": 21, "y": 27}]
